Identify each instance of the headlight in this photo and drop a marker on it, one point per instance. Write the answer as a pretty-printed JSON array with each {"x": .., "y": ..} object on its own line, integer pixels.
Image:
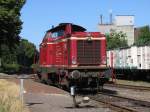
[{"x": 74, "y": 61}]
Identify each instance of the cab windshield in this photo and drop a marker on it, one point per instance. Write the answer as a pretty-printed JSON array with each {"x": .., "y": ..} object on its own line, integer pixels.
[{"x": 57, "y": 33}]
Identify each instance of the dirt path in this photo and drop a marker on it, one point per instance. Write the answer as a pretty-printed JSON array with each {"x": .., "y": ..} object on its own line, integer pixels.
[
  {"x": 44, "y": 98},
  {"x": 31, "y": 86}
]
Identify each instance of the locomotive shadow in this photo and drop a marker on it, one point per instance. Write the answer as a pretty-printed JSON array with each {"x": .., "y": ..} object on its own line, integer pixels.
[{"x": 86, "y": 92}]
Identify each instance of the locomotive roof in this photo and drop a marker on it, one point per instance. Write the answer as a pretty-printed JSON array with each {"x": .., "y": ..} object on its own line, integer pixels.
[{"x": 62, "y": 26}]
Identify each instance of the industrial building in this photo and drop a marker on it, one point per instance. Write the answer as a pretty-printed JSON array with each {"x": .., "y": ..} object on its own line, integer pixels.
[{"x": 124, "y": 23}]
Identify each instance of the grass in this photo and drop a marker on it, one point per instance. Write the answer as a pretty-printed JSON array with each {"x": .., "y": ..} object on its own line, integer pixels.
[{"x": 9, "y": 97}]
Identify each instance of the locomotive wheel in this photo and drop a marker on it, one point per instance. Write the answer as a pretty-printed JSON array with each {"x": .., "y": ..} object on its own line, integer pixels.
[{"x": 99, "y": 86}]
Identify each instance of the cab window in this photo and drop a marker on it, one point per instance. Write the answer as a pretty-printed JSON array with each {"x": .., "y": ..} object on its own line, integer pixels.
[{"x": 57, "y": 34}]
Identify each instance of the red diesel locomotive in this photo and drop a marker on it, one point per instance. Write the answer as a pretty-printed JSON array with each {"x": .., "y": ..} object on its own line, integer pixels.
[{"x": 69, "y": 56}]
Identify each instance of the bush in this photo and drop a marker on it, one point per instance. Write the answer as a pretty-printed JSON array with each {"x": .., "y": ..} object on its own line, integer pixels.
[
  {"x": 11, "y": 68},
  {"x": 1, "y": 69},
  {"x": 34, "y": 66}
]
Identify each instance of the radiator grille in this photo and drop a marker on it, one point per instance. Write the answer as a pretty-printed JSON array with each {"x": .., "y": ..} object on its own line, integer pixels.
[{"x": 88, "y": 52}]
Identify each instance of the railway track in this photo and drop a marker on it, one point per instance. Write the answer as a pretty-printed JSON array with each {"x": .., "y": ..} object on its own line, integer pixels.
[
  {"x": 117, "y": 103},
  {"x": 128, "y": 86},
  {"x": 121, "y": 104}
]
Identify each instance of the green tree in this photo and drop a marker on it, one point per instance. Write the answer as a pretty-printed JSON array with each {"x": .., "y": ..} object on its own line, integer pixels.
[
  {"x": 10, "y": 23},
  {"x": 116, "y": 40},
  {"x": 144, "y": 36},
  {"x": 26, "y": 52},
  {"x": 10, "y": 27},
  {"x": 9, "y": 59},
  {"x": 20, "y": 57}
]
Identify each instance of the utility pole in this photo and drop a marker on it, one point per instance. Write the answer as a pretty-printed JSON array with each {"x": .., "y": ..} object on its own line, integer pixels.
[
  {"x": 22, "y": 77},
  {"x": 72, "y": 90}
]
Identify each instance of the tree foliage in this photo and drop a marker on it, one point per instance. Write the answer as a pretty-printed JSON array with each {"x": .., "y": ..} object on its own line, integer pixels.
[
  {"x": 26, "y": 51},
  {"x": 116, "y": 40},
  {"x": 20, "y": 57},
  {"x": 10, "y": 23},
  {"x": 144, "y": 36},
  {"x": 14, "y": 52}
]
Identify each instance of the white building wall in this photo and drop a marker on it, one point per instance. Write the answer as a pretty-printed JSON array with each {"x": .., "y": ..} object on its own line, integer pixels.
[
  {"x": 129, "y": 30},
  {"x": 123, "y": 20},
  {"x": 105, "y": 28}
]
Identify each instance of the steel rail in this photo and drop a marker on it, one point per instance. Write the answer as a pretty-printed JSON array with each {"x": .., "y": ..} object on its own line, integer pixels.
[
  {"x": 114, "y": 106},
  {"x": 128, "y": 86},
  {"x": 137, "y": 103}
]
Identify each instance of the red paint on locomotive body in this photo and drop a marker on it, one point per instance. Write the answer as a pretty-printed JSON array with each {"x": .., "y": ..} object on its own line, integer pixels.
[
  {"x": 54, "y": 51},
  {"x": 68, "y": 47}
]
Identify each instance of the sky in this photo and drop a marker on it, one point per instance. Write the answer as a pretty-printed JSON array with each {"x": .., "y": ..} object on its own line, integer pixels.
[{"x": 39, "y": 15}]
